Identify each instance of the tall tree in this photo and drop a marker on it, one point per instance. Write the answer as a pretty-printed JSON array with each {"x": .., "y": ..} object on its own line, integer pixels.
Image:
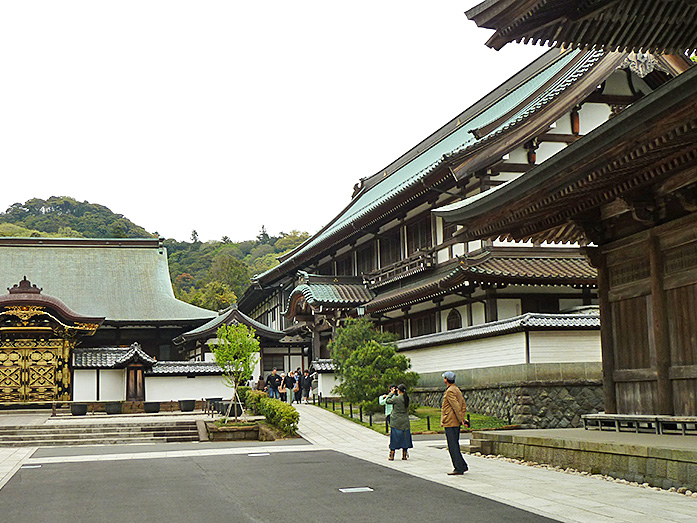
[{"x": 236, "y": 352}]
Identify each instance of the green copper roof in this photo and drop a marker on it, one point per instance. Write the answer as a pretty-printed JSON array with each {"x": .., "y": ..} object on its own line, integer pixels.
[
  {"x": 121, "y": 280},
  {"x": 539, "y": 89}
]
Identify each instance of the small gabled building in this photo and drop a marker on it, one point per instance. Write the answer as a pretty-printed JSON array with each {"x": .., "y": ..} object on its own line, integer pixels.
[{"x": 277, "y": 348}]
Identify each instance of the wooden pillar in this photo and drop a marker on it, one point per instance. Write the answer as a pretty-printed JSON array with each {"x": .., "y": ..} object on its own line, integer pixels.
[
  {"x": 491, "y": 308},
  {"x": 606, "y": 339},
  {"x": 664, "y": 389}
]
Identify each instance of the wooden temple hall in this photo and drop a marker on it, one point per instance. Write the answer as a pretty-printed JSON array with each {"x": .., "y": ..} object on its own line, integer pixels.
[
  {"x": 90, "y": 320},
  {"x": 627, "y": 191},
  {"x": 388, "y": 256}
]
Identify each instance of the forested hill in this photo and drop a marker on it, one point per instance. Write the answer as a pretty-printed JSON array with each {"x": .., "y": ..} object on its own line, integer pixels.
[
  {"x": 65, "y": 217},
  {"x": 208, "y": 274}
]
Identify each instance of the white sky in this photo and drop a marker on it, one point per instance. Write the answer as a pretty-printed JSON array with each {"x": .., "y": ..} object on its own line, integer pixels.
[{"x": 221, "y": 116}]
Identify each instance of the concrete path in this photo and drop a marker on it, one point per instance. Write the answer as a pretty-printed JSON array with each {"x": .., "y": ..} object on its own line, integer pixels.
[{"x": 557, "y": 495}]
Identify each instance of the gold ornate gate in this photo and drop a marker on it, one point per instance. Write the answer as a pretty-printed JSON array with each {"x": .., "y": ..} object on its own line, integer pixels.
[{"x": 34, "y": 370}]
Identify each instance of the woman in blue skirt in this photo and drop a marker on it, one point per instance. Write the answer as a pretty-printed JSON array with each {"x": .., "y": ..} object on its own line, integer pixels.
[{"x": 400, "y": 429}]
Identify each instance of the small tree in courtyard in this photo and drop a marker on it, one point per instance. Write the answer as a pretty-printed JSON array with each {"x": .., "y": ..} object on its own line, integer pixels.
[
  {"x": 235, "y": 353},
  {"x": 368, "y": 362}
]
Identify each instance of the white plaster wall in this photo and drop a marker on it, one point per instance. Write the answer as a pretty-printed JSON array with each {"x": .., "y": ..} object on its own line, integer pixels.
[
  {"x": 508, "y": 308},
  {"x": 326, "y": 381},
  {"x": 592, "y": 115},
  {"x": 112, "y": 384},
  {"x": 442, "y": 255},
  {"x": 564, "y": 346},
  {"x": 85, "y": 385},
  {"x": 478, "y": 315},
  {"x": 487, "y": 352},
  {"x": 472, "y": 246},
  {"x": 568, "y": 303},
  {"x": 174, "y": 388}
]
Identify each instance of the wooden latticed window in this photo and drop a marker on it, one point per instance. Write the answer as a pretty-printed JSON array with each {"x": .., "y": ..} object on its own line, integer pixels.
[
  {"x": 419, "y": 235},
  {"x": 454, "y": 320},
  {"x": 344, "y": 266},
  {"x": 365, "y": 259},
  {"x": 390, "y": 248},
  {"x": 423, "y": 324}
]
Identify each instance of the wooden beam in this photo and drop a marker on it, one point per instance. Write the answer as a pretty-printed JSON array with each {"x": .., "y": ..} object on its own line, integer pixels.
[
  {"x": 612, "y": 99},
  {"x": 558, "y": 137}
]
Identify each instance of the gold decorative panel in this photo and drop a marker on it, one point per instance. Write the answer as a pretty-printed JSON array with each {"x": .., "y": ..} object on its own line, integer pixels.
[{"x": 34, "y": 370}]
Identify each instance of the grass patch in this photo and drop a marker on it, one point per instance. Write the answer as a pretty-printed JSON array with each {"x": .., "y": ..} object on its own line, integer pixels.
[{"x": 477, "y": 421}]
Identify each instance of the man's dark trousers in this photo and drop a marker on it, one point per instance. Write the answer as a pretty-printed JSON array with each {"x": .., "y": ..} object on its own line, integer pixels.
[{"x": 452, "y": 434}]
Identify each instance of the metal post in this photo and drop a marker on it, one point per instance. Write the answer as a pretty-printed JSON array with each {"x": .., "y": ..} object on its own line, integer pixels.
[
  {"x": 370, "y": 419},
  {"x": 342, "y": 407},
  {"x": 351, "y": 410},
  {"x": 333, "y": 405},
  {"x": 360, "y": 413},
  {"x": 469, "y": 425},
  {"x": 428, "y": 422},
  {"x": 387, "y": 427}
]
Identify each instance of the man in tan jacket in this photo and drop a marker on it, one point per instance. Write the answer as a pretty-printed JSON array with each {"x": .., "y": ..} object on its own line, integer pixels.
[{"x": 453, "y": 414}]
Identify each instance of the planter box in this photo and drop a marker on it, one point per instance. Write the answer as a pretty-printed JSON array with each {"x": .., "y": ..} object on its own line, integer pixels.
[
  {"x": 257, "y": 432},
  {"x": 151, "y": 407},
  {"x": 78, "y": 409},
  {"x": 187, "y": 405},
  {"x": 113, "y": 407}
]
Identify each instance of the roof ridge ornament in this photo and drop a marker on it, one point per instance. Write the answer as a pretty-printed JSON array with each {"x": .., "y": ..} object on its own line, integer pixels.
[
  {"x": 642, "y": 64},
  {"x": 24, "y": 287}
]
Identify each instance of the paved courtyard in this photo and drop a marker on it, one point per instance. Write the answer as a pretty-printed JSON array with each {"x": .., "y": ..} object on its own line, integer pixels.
[{"x": 243, "y": 482}]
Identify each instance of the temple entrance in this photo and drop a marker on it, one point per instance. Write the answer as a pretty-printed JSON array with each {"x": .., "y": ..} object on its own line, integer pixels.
[
  {"x": 37, "y": 335},
  {"x": 33, "y": 370}
]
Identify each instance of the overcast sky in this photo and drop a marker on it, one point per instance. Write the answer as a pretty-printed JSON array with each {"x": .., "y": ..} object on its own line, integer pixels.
[{"x": 221, "y": 116}]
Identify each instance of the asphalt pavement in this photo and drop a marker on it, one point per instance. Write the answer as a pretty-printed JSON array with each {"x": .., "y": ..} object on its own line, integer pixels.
[{"x": 268, "y": 487}]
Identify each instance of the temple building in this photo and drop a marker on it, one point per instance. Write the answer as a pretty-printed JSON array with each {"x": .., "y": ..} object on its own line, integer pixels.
[
  {"x": 627, "y": 191},
  {"x": 387, "y": 256},
  {"x": 91, "y": 319}
]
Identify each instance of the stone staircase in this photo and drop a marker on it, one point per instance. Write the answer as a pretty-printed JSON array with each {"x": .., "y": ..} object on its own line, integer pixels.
[{"x": 55, "y": 434}]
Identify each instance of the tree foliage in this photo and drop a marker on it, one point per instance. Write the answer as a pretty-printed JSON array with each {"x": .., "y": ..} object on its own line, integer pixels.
[
  {"x": 367, "y": 361},
  {"x": 353, "y": 334},
  {"x": 370, "y": 370},
  {"x": 236, "y": 351},
  {"x": 215, "y": 296},
  {"x": 64, "y": 215}
]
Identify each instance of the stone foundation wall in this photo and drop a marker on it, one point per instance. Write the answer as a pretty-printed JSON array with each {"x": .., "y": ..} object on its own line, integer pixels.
[{"x": 528, "y": 404}]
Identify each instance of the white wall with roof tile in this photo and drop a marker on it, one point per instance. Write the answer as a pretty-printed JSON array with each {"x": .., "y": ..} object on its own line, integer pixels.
[
  {"x": 487, "y": 352},
  {"x": 173, "y": 388},
  {"x": 85, "y": 385},
  {"x": 564, "y": 346},
  {"x": 112, "y": 384}
]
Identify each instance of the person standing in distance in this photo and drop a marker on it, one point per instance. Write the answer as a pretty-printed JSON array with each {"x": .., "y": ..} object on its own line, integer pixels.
[{"x": 453, "y": 414}]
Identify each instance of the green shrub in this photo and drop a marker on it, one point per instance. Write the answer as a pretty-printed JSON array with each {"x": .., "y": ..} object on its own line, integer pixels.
[
  {"x": 253, "y": 399},
  {"x": 242, "y": 393},
  {"x": 281, "y": 415},
  {"x": 277, "y": 413}
]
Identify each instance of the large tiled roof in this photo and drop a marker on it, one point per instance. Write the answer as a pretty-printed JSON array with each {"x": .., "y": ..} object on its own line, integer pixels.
[
  {"x": 526, "y": 322},
  {"x": 229, "y": 317},
  {"x": 667, "y": 26},
  {"x": 121, "y": 280},
  {"x": 523, "y": 98},
  {"x": 629, "y": 152},
  {"x": 330, "y": 291},
  {"x": 110, "y": 357},
  {"x": 555, "y": 267}
]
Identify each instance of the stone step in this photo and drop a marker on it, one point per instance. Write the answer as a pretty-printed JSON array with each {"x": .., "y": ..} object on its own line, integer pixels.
[
  {"x": 94, "y": 429},
  {"x": 99, "y": 441},
  {"x": 103, "y": 435}
]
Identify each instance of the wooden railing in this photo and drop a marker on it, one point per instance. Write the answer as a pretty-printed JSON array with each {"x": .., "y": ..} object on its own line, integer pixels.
[{"x": 418, "y": 261}]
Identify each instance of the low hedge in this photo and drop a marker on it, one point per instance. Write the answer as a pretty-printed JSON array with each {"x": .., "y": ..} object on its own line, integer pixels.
[
  {"x": 242, "y": 393},
  {"x": 278, "y": 413}
]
